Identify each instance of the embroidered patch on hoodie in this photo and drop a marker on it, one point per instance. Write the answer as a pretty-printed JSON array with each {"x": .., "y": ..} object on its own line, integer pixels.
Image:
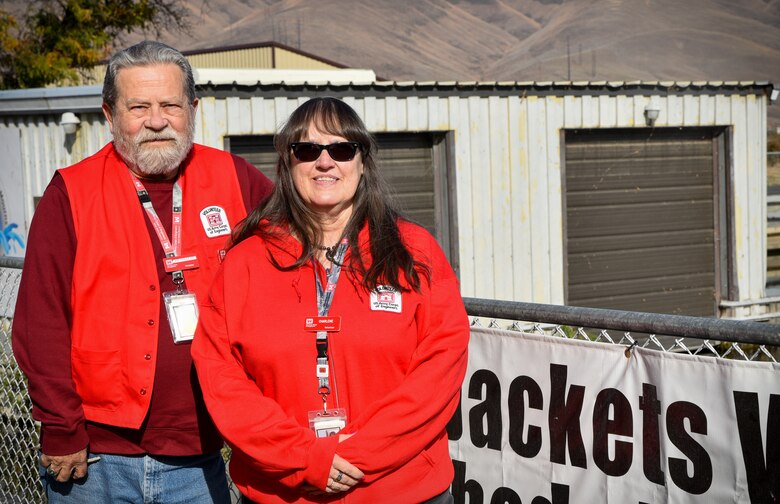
[
  {"x": 386, "y": 298},
  {"x": 215, "y": 222}
]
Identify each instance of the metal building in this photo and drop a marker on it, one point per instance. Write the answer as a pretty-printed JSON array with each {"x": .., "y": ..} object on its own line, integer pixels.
[
  {"x": 264, "y": 55},
  {"x": 647, "y": 196}
]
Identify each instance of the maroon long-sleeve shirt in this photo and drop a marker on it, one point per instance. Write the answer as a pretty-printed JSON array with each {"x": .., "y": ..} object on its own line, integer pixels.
[{"x": 177, "y": 422}]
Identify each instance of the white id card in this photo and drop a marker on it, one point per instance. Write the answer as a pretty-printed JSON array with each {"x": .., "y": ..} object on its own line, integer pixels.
[
  {"x": 327, "y": 423},
  {"x": 182, "y": 309}
]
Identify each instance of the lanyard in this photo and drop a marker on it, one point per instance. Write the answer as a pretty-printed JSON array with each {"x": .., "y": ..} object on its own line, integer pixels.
[
  {"x": 172, "y": 247},
  {"x": 324, "y": 300}
]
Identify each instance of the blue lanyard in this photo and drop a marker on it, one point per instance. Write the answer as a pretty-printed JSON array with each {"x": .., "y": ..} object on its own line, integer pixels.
[{"x": 324, "y": 300}]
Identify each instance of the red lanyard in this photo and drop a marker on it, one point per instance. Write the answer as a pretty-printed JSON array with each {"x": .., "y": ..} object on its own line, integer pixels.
[{"x": 172, "y": 248}]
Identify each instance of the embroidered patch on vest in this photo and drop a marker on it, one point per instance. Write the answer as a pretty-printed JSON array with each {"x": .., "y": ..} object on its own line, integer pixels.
[
  {"x": 386, "y": 298},
  {"x": 214, "y": 221}
]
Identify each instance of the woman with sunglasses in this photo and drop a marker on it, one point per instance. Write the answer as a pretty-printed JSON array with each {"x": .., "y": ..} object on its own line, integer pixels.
[{"x": 332, "y": 348}]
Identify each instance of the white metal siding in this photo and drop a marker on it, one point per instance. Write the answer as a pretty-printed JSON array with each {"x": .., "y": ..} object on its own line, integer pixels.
[
  {"x": 507, "y": 172},
  {"x": 45, "y": 147}
]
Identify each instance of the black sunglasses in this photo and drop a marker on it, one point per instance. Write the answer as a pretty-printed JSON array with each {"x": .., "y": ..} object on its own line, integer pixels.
[{"x": 339, "y": 151}]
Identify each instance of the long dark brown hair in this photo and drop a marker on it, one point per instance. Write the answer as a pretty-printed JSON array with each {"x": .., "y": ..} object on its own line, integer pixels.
[{"x": 285, "y": 211}]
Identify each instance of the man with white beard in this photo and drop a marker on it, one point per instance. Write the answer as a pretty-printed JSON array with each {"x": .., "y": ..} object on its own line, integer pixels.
[{"x": 122, "y": 247}]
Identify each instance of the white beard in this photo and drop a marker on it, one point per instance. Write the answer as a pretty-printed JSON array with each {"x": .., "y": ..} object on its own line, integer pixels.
[{"x": 155, "y": 160}]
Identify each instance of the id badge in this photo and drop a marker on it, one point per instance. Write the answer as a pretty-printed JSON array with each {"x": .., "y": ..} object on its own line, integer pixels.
[
  {"x": 182, "y": 309},
  {"x": 327, "y": 423},
  {"x": 316, "y": 324},
  {"x": 180, "y": 263}
]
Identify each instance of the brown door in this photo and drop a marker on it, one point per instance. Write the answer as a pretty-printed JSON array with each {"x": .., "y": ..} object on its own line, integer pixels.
[{"x": 641, "y": 210}]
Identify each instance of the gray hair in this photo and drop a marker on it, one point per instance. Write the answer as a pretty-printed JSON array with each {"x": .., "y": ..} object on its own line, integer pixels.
[{"x": 144, "y": 53}]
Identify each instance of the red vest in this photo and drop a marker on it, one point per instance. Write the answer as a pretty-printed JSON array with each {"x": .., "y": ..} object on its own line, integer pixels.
[{"x": 116, "y": 295}]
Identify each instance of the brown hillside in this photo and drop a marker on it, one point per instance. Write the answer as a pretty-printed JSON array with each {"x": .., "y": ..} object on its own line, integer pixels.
[
  {"x": 510, "y": 39},
  {"x": 513, "y": 39}
]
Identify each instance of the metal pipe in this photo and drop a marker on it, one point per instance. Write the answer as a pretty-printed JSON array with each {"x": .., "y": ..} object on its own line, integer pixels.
[
  {"x": 653, "y": 323},
  {"x": 750, "y": 302},
  {"x": 11, "y": 262},
  {"x": 737, "y": 331}
]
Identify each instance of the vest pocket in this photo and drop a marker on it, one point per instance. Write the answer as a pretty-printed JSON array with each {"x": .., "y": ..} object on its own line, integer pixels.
[{"x": 97, "y": 375}]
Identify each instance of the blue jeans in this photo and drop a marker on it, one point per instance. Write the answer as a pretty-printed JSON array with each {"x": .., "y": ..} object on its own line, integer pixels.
[
  {"x": 144, "y": 479},
  {"x": 443, "y": 498}
]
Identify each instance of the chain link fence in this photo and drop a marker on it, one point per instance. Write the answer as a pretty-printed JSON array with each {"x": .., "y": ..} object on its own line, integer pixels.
[
  {"x": 727, "y": 339},
  {"x": 19, "y": 481},
  {"x": 18, "y": 434},
  {"x": 711, "y": 337}
]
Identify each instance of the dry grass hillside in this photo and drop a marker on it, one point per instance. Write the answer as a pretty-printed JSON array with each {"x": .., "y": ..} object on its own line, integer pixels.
[
  {"x": 512, "y": 39},
  {"x": 509, "y": 39}
]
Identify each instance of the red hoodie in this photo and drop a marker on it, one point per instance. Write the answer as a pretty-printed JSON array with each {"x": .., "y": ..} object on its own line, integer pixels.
[{"x": 397, "y": 372}]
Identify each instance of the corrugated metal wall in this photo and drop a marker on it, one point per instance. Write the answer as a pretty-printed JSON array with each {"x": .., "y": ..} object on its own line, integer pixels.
[
  {"x": 508, "y": 172},
  {"x": 242, "y": 58},
  {"x": 292, "y": 60},
  {"x": 45, "y": 147},
  {"x": 507, "y": 169},
  {"x": 259, "y": 57}
]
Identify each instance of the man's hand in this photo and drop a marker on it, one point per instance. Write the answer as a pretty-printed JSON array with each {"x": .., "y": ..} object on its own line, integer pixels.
[{"x": 64, "y": 467}]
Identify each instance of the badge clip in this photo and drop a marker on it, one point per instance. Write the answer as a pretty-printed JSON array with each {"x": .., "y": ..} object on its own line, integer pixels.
[{"x": 327, "y": 423}]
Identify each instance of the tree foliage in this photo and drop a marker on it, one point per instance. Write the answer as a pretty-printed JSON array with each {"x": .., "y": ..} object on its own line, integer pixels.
[{"x": 59, "y": 39}]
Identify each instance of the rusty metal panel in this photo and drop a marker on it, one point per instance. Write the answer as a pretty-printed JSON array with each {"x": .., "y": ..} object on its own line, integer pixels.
[{"x": 640, "y": 220}]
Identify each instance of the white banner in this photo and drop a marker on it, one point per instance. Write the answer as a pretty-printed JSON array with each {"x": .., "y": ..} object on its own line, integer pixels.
[{"x": 546, "y": 420}]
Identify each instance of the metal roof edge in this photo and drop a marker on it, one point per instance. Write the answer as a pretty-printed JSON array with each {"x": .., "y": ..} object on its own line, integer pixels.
[
  {"x": 79, "y": 99},
  {"x": 75, "y": 99},
  {"x": 270, "y": 43},
  {"x": 245, "y": 76},
  {"x": 488, "y": 88}
]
